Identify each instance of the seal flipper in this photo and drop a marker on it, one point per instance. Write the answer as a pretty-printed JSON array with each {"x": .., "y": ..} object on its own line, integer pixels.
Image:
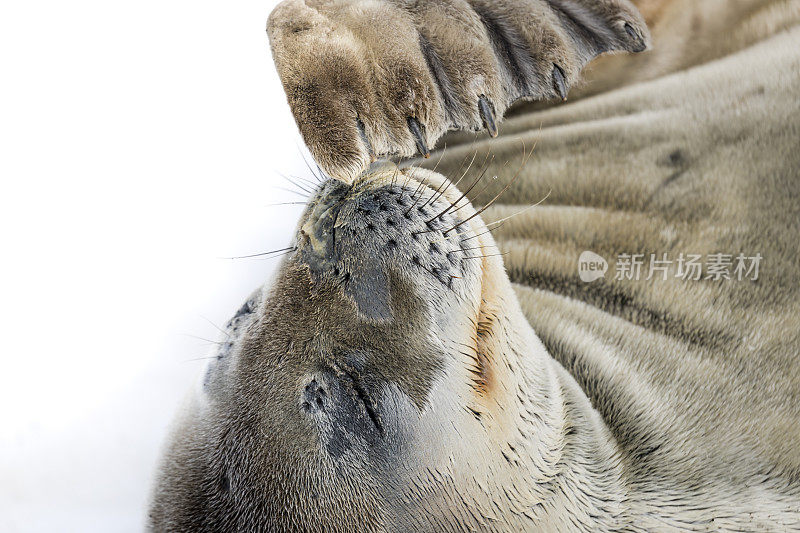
[{"x": 384, "y": 79}]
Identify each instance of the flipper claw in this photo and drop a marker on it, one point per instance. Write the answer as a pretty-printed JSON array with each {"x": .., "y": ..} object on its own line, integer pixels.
[
  {"x": 416, "y": 130},
  {"x": 560, "y": 82},
  {"x": 487, "y": 115}
]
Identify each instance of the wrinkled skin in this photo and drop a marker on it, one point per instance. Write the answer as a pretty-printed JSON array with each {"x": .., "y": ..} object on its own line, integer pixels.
[{"x": 387, "y": 379}]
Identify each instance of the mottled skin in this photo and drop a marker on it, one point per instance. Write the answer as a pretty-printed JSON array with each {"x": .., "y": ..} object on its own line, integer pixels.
[{"x": 399, "y": 374}]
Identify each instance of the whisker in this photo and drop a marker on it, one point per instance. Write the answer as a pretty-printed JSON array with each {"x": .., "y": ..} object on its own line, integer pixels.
[
  {"x": 448, "y": 181},
  {"x": 508, "y": 185},
  {"x": 452, "y": 205},
  {"x": 290, "y": 249},
  {"x": 216, "y": 326},
  {"x": 481, "y": 234},
  {"x": 286, "y": 203},
  {"x": 274, "y": 256},
  {"x": 418, "y": 194},
  {"x": 308, "y": 182},
  {"x": 405, "y": 181},
  {"x": 444, "y": 150},
  {"x": 441, "y": 187},
  {"x": 447, "y": 178},
  {"x": 290, "y": 180},
  {"x": 199, "y": 359},
  {"x": 461, "y": 166},
  {"x": 540, "y": 202},
  {"x": 323, "y": 175},
  {"x": 485, "y": 256},
  {"x": 292, "y": 191},
  {"x": 218, "y": 343},
  {"x": 434, "y": 218},
  {"x": 303, "y": 155},
  {"x": 481, "y": 247}
]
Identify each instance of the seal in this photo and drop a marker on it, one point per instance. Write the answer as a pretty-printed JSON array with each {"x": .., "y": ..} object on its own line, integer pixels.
[
  {"x": 381, "y": 382},
  {"x": 428, "y": 356}
]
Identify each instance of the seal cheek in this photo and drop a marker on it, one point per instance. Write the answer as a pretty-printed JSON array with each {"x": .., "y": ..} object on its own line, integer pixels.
[{"x": 369, "y": 289}]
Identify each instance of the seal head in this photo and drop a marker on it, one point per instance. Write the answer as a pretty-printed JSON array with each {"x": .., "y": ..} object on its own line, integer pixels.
[{"x": 347, "y": 375}]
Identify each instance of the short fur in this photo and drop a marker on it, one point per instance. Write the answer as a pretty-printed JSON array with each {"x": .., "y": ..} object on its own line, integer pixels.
[{"x": 400, "y": 374}]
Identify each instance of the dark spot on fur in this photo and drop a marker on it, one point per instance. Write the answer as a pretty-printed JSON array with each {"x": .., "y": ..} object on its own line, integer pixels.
[
  {"x": 314, "y": 396},
  {"x": 301, "y": 27},
  {"x": 676, "y": 158},
  {"x": 224, "y": 483}
]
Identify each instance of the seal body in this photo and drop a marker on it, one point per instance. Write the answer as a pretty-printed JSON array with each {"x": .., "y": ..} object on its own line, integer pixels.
[{"x": 430, "y": 358}]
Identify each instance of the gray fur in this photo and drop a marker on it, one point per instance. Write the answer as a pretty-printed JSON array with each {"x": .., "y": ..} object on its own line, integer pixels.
[{"x": 377, "y": 385}]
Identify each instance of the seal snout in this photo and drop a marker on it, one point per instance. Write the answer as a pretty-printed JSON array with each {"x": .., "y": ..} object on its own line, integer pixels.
[
  {"x": 359, "y": 236},
  {"x": 318, "y": 230}
]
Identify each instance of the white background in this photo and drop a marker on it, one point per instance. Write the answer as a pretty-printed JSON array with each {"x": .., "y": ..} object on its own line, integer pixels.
[{"x": 140, "y": 145}]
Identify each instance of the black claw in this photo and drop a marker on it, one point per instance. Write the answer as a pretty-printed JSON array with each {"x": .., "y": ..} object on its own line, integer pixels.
[
  {"x": 416, "y": 130},
  {"x": 487, "y": 114},
  {"x": 637, "y": 39},
  {"x": 560, "y": 82}
]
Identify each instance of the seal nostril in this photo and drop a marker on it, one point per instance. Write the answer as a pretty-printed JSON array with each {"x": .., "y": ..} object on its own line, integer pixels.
[
  {"x": 336, "y": 271},
  {"x": 382, "y": 207},
  {"x": 391, "y": 243},
  {"x": 389, "y": 222},
  {"x": 370, "y": 226},
  {"x": 415, "y": 260}
]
